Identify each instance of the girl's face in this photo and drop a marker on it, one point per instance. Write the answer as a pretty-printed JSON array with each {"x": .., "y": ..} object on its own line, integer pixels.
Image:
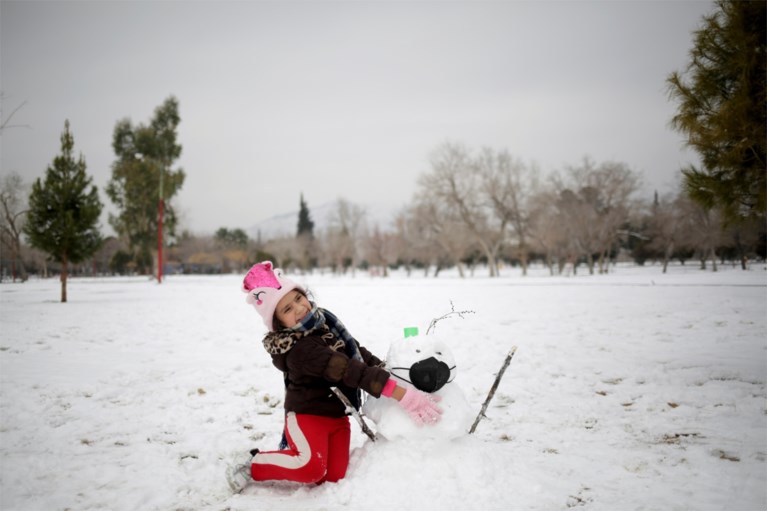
[{"x": 292, "y": 308}]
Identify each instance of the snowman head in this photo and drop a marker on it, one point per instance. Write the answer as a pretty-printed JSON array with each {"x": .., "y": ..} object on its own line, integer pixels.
[{"x": 424, "y": 362}]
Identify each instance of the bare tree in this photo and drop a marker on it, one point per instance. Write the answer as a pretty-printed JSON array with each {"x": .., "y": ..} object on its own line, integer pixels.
[
  {"x": 547, "y": 231},
  {"x": 381, "y": 249},
  {"x": 665, "y": 227},
  {"x": 596, "y": 202},
  {"x": 285, "y": 250},
  {"x": 744, "y": 239},
  {"x": 702, "y": 231},
  {"x": 508, "y": 185},
  {"x": 578, "y": 218},
  {"x": 342, "y": 237},
  {"x": 455, "y": 180},
  {"x": 444, "y": 238},
  {"x": 413, "y": 246},
  {"x": 13, "y": 203},
  {"x": 617, "y": 184},
  {"x": 678, "y": 225}
]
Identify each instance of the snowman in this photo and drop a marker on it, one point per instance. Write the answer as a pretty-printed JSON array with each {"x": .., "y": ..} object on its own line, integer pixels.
[{"x": 426, "y": 363}]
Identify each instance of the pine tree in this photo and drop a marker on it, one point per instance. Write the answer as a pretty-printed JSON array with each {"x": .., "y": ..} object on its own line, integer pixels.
[
  {"x": 305, "y": 224},
  {"x": 723, "y": 110},
  {"x": 64, "y": 211},
  {"x": 305, "y": 237}
]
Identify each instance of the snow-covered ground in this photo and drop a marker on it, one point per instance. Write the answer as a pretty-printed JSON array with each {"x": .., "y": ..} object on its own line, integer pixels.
[{"x": 633, "y": 390}]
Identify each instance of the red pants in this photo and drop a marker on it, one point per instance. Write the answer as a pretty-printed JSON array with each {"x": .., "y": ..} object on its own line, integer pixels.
[{"x": 318, "y": 451}]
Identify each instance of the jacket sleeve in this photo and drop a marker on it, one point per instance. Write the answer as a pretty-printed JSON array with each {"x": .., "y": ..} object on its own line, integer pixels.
[
  {"x": 312, "y": 358},
  {"x": 369, "y": 358}
]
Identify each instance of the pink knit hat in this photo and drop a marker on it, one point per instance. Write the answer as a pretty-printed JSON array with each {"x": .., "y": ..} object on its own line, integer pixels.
[{"x": 266, "y": 287}]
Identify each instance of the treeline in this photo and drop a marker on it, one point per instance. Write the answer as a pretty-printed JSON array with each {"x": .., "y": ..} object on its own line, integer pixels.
[
  {"x": 487, "y": 208},
  {"x": 474, "y": 208}
]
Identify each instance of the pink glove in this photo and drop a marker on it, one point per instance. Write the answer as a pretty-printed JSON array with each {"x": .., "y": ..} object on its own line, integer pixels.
[{"x": 421, "y": 407}]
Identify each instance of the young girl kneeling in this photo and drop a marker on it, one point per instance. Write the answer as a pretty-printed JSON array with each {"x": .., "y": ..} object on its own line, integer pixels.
[{"x": 315, "y": 352}]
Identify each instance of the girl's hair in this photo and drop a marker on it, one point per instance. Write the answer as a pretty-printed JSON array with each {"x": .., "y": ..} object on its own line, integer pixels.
[{"x": 276, "y": 322}]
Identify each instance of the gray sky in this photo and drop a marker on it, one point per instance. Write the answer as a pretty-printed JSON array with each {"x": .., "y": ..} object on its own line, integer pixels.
[{"x": 343, "y": 98}]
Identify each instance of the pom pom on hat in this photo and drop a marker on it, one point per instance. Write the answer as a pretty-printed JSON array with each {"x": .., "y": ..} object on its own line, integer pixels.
[{"x": 266, "y": 286}]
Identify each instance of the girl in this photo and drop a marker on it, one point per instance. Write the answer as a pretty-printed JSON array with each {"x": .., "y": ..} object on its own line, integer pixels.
[{"x": 315, "y": 352}]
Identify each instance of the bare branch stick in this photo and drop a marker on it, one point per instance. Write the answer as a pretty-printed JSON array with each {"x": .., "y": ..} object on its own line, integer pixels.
[
  {"x": 5, "y": 124},
  {"x": 433, "y": 324},
  {"x": 355, "y": 412},
  {"x": 493, "y": 389}
]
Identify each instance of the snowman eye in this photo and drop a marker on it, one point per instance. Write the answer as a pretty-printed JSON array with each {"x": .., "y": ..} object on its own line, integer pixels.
[
  {"x": 418, "y": 351},
  {"x": 439, "y": 353}
]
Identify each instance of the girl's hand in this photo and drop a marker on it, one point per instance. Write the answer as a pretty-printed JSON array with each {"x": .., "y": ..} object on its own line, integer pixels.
[{"x": 421, "y": 407}]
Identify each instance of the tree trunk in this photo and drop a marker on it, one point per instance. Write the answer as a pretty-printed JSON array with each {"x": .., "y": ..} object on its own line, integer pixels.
[
  {"x": 64, "y": 270},
  {"x": 490, "y": 253},
  {"x": 524, "y": 260},
  {"x": 667, "y": 255},
  {"x": 492, "y": 265}
]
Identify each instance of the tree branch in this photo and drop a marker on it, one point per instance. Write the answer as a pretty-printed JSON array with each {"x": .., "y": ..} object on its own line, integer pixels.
[
  {"x": 5, "y": 124},
  {"x": 493, "y": 389},
  {"x": 357, "y": 415},
  {"x": 433, "y": 324}
]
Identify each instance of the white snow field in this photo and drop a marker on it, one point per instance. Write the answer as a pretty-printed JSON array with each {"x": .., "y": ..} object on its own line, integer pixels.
[{"x": 629, "y": 391}]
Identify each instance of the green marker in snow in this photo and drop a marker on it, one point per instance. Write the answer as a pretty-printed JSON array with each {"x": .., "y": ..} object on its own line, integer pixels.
[{"x": 411, "y": 331}]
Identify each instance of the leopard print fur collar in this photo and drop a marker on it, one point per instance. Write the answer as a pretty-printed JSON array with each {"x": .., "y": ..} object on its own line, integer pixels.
[
  {"x": 281, "y": 341},
  {"x": 277, "y": 343}
]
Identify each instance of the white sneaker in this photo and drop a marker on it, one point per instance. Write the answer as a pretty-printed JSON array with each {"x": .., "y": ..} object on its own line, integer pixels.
[{"x": 238, "y": 473}]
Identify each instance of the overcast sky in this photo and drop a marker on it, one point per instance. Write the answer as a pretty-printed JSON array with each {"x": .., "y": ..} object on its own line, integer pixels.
[{"x": 343, "y": 98}]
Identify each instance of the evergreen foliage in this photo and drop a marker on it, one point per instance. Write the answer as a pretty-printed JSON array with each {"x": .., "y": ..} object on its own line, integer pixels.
[
  {"x": 145, "y": 154},
  {"x": 230, "y": 238},
  {"x": 723, "y": 110},
  {"x": 306, "y": 246},
  {"x": 64, "y": 211},
  {"x": 305, "y": 223}
]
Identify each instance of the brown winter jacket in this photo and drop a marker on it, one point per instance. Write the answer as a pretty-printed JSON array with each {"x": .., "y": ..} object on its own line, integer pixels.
[{"x": 313, "y": 363}]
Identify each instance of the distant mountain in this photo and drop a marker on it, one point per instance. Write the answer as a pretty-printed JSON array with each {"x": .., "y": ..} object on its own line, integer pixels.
[{"x": 286, "y": 224}]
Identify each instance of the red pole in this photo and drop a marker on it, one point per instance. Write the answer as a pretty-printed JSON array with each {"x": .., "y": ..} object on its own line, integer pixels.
[{"x": 159, "y": 241}]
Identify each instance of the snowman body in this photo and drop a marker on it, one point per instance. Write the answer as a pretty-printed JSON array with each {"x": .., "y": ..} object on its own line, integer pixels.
[{"x": 425, "y": 363}]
